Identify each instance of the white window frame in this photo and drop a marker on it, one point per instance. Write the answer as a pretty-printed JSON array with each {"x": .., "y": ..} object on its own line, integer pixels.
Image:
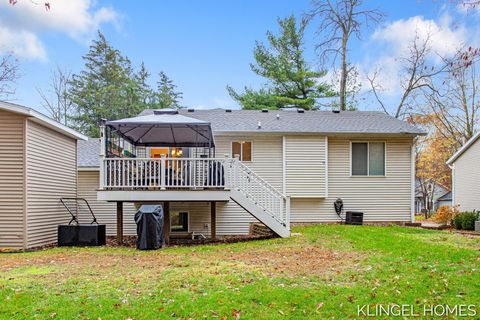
[
  {"x": 241, "y": 149},
  {"x": 368, "y": 159},
  {"x": 188, "y": 224}
]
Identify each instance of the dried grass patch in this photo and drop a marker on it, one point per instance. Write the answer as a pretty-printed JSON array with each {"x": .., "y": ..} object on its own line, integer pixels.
[{"x": 295, "y": 261}]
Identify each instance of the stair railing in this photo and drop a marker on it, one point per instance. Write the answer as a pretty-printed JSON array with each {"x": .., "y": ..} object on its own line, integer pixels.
[{"x": 259, "y": 191}]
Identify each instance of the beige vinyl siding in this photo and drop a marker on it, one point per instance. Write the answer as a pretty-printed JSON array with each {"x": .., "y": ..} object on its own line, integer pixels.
[
  {"x": 267, "y": 162},
  {"x": 266, "y": 155},
  {"x": 51, "y": 175},
  {"x": 466, "y": 177},
  {"x": 106, "y": 212},
  {"x": 229, "y": 220},
  {"x": 305, "y": 162},
  {"x": 380, "y": 198},
  {"x": 11, "y": 180}
]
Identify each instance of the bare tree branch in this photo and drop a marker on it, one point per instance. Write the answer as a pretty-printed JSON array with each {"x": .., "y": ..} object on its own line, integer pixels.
[
  {"x": 57, "y": 100},
  {"x": 8, "y": 75},
  {"x": 415, "y": 74},
  {"x": 338, "y": 21}
]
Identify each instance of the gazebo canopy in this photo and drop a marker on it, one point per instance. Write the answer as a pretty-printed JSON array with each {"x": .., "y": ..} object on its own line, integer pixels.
[{"x": 164, "y": 128}]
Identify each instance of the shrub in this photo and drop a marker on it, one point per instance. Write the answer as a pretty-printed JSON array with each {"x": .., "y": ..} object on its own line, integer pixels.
[
  {"x": 465, "y": 220},
  {"x": 445, "y": 214}
]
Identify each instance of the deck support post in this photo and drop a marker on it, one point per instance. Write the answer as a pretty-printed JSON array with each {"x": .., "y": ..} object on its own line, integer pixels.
[
  {"x": 120, "y": 222},
  {"x": 166, "y": 222},
  {"x": 213, "y": 220}
]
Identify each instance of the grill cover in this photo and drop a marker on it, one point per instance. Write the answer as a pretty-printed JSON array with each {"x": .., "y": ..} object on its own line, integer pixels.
[{"x": 149, "y": 220}]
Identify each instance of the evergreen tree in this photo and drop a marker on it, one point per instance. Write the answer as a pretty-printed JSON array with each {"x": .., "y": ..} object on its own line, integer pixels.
[
  {"x": 146, "y": 94},
  {"x": 167, "y": 95},
  {"x": 106, "y": 88},
  {"x": 290, "y": 81}
]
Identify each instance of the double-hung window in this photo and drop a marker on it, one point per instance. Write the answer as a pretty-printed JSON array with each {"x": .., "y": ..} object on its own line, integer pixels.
[
  {"x": 368, "y": 159},
  {"x": 242, "y": 149}
]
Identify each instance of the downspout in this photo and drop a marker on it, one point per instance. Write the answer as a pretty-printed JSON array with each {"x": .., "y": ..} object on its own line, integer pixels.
[
  {"x": 412, "y": 177},
  {"x": 452, "y": 167}
]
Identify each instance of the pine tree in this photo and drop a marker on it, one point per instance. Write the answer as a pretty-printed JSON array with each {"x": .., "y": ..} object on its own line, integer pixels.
[
  {"x": 290, "y": 81},
  {"x": 105, "y": 88},
  {"x": 146, "y": 94},
  {"x": 167, "y": 95}
]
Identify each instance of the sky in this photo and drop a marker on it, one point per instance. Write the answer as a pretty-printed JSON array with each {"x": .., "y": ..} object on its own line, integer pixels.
[{"x": 206, "y": 45}]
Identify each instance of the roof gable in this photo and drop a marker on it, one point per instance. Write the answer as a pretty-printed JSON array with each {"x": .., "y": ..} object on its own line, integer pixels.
[{"x": 464, "y": 148}]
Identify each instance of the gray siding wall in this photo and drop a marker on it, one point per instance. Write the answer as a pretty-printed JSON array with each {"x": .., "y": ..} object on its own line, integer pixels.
[
  {"x": 51, "y": 174},
  {"x": 12, "y": 180},
  {"x": 466, "y": 179}
]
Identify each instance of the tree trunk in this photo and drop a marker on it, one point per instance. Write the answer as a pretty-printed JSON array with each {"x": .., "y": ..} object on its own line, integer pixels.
[{"x": 343, "y": 76}]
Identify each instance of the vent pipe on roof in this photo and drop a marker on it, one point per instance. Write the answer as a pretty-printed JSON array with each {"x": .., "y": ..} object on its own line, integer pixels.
[
  {"x": 336, "y": 110},
  {"x": 228, "y": 110},
  {"x": 191, "y": 110},
  {"x": 299, "y": 110},
  {"x": 259, "y": 124},
  {"x": 278, "y": 116},
  {"x": 264, "y": 110}
]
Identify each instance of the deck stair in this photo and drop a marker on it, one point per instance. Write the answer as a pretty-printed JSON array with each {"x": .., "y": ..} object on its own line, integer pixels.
[{"x": 260, "y": 198}]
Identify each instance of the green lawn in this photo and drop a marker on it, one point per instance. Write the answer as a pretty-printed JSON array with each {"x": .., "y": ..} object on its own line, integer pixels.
[{"x": 323, "y": 273}]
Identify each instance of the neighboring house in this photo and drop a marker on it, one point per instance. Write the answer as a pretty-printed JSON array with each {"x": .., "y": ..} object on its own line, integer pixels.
[
  {"x": 441, "y": 197},
  {"x": 37, "y": 168},
  {"x": 466, "y": 175},
  {"x": 291, "y": 167},
  {"x": 445, "y": 200}
]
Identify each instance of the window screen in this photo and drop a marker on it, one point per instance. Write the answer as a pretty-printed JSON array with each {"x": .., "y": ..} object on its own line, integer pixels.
[
  {"x": 359, "y": 159},
  {"x": 368, "y": 158},
  {"x": 376, "y": 158}
]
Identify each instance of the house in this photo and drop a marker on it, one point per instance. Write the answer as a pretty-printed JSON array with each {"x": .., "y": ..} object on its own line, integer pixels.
[
  {"x": 216, "y": 171},
  {"x": 445, "y": 200},
  {"x": 441, "y": 196},
  {"x": 37, "y": 168},
  {"x": 466, "y": 175}
]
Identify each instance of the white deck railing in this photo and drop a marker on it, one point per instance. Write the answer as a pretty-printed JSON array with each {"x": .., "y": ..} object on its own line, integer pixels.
[
  {"x": 193, "y": 174},
  {"x": 163, "y": 173}
]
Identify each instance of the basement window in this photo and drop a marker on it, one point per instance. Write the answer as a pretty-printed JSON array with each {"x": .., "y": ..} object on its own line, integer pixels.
[
  {"x": 242, "y": 149},
  {"x": 368, "y": 158},
  {"x": 179, "y": 222}
]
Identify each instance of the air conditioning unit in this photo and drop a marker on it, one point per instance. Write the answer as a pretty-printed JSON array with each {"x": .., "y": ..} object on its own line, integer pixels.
[{"x": 354, "y": 217}]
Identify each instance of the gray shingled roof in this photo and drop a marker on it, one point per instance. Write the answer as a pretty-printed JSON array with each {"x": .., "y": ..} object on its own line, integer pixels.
[
  {"x": 327, "y": 122},
  {"x": 88, "y": 153},
  {"x": 362, "y": 122}
]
